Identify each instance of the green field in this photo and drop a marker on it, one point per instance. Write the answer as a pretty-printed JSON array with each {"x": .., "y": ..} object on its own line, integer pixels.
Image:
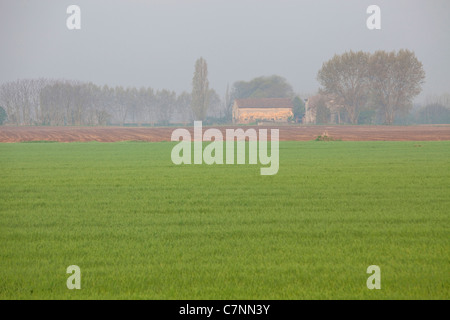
[{"x": 140, "y": 227}]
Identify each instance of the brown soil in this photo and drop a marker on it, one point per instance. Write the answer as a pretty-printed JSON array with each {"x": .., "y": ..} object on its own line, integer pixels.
[{"x": 297, "y": 133}]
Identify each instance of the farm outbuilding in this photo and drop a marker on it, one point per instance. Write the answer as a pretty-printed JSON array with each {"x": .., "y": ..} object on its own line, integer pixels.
[
  {"x": 262, "y": 110},
  {"x": 331, "y": 112}
]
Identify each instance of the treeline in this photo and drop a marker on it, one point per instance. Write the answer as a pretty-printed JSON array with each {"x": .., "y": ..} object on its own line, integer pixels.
[
  {"x": 262, "y": 87},
  {"x": 435, "y": 110},
  {"x": 67, "y": 102},
  {"x": 381, "y": 82}
]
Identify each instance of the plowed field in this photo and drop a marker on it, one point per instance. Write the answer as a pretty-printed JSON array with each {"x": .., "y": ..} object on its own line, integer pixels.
[{"x": 294, "y": 133}]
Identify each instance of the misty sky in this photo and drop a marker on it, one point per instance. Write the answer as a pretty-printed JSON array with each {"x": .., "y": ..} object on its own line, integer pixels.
[{"x": 156, "y": 42}]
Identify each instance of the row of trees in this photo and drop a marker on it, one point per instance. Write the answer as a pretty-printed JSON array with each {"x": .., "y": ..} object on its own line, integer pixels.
[
  {"x": 384, "y": 81},
  {"x": 65, "y": 102},
  {"x": 435, "y": 109}
]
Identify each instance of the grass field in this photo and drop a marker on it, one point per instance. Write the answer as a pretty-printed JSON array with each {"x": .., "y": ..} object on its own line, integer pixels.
[{"x": 140, "y": 227}]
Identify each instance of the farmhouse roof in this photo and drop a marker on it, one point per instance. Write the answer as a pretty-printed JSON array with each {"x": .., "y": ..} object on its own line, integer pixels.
[{"x": 264, "y": 103}]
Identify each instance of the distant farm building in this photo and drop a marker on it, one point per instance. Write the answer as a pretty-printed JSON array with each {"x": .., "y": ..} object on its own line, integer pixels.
[
  {"x": 322, "y": 109},
  {"x": 262, "y": 110}
]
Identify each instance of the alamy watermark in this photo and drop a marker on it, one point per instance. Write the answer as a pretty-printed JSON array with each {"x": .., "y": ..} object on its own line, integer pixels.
[
  {"x": 73, "y": 22},
  {"x": 74, "y": 281},
  {"x": 374, "y": 281},
  {"x": 373, "y": 22},
  {"x": 213, "y": 152}
]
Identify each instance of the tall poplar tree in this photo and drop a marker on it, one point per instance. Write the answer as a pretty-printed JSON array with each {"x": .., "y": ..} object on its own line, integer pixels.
[{"x": 200, "y": 90}]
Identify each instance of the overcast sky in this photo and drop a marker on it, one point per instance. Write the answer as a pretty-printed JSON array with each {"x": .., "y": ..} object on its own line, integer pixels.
[{"x": 156, "y": 42}]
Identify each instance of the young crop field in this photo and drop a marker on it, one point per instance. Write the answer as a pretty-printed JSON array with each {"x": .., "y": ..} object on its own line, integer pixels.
[{"x": 141, "y": 227}]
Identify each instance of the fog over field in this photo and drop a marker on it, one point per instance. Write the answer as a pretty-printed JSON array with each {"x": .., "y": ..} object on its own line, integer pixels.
[
  {"x": 155, "y": 43},
  {"x": 218, "y": 150}
]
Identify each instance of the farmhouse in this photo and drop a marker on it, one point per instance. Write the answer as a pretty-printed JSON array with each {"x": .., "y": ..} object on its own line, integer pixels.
[
  {"x": 266, "y": 109},
  {"x": 322, "y": 109}
]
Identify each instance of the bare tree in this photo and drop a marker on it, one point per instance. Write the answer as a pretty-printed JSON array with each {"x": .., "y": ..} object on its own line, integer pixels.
[
  {"x": 134, "y": 105},
  {"x": 54, "y": 103},
  {"x": 183, "y": 108},
  {"x": 37, "y": 86},
  {"x": 120, "y": 104},
  {"x": 149, "y": 105},
  {"x": 216, "y": 109},
  {"x": 21, "y": 100},
  {"x": 346, "y": 77},
  {"x": 142, "y": 102},
  {"x": 228, "y": 105},
  {"x": 165, "y": 103},
  {"x": 442, "y": 99},
  {"x": 396, "y": 78},
  {"x": 93, "y": 103},
  {"x": 24, "y": 101},
  {"x": 8, "y": 101},
  {"x": 3, "y": 115}
]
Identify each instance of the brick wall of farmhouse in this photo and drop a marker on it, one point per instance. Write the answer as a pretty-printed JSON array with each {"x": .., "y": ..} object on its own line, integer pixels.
[{"x": 247, "y": 115}]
